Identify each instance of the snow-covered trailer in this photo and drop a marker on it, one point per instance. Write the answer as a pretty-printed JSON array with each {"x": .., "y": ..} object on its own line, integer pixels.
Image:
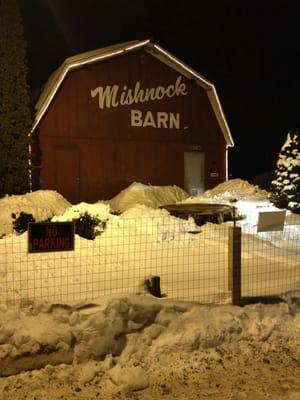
[{"x": 124, "y": 113}]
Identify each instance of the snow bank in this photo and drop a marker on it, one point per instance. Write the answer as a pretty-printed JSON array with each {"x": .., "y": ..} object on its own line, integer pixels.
[
  {"x": 150, "y": 196},
  {"x": 135, "y": 328},
  {"x": 235, "y": 189},
  {"x": 42, "y": 204}
]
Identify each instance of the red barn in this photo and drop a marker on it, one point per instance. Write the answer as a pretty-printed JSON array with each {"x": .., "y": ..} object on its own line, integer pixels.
[{"x": 125, "y": 113}]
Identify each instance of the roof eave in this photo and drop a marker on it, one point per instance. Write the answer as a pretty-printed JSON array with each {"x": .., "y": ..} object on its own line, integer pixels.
[
  {"x": 201, "y": 81},
  {"x": 73, "y": 63}
]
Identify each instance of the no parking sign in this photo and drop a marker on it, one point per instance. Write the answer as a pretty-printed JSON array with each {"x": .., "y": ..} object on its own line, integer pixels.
[{"x": 50, "y": 236}]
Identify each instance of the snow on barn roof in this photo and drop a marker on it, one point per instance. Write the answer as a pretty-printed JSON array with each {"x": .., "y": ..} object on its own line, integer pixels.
[{"x": 105, "y": 53}]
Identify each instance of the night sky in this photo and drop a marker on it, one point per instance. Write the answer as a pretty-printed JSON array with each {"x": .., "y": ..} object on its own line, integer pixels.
[{"x": 249, "y": 50}]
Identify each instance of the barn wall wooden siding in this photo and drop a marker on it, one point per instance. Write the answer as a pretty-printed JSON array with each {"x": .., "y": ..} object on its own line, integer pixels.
[{"x": 88, "y": 153}]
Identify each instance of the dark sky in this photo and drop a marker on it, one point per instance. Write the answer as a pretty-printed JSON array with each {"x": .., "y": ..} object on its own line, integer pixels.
[{"x": 249, "y": 50}]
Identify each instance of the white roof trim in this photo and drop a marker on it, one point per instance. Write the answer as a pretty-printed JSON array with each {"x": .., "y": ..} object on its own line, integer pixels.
[
  {"x": 211, "y": 92},
  {"x": 71, "y": 63},
  {"x": 74, "y": 62}
]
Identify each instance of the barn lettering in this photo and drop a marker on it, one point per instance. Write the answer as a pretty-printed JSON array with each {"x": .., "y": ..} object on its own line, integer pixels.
[
  {"x": 155, "y": 120},
  {"x": 112, "y": 96},
  {"x": 107, "y": 97}
]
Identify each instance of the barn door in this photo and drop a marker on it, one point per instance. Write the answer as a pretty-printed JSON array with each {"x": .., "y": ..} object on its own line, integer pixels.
[
  {"x": 194, "y": 172},
  {"x": 67, "y": 172}
]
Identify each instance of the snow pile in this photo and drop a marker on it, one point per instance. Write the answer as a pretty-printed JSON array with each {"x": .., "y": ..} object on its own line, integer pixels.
[
  {"x": 135, "y": 220},
  {"x": 150, "y": 196},
  {"x": 42, "y": 204},
  {"x": 235, "y": 189},
  {"x": 98, "y": 210},
  {"x": 89, "y": 219},
  {"x": 132, "y": 331},
  {"x": 247, "y": 199},
  {"x": 157, "y": 223}
]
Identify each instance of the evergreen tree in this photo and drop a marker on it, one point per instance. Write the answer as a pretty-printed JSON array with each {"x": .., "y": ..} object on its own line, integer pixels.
[
  {"x": 15, "y": 115},
  {"x": 286, "y": 184}
]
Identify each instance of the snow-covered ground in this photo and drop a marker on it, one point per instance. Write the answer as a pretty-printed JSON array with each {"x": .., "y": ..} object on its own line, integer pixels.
[
  {"x": 88, "y": 312},
  {"x": 137, "y": 347}
]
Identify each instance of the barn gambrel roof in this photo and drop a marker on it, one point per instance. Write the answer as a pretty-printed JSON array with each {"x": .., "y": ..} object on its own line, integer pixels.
[{"x": 105, "y": 53}]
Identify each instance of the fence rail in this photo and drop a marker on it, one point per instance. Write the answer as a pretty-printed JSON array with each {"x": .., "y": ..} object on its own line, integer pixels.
[{"x": 209, "y": 264}]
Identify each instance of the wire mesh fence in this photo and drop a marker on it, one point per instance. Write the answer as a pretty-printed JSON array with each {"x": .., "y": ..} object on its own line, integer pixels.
[
  {"x": 191, "y": 262},
  {"x": 194, "y": 263},
  {"x": 271, "y": 260}
]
